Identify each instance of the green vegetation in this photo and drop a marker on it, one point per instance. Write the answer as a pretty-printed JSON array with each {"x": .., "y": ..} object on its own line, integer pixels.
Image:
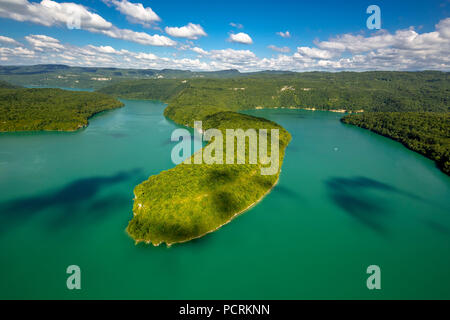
[
  {"x": 50, "y": 109},
  {"x": 369, "y": 91},
  {"x": 6, "y": 85},
  {"x": 160, "y": 89},
  {"x": 191, "y": 200},
  {"x": 425, "y": 132},
  {"x": 55, "y": 75}
]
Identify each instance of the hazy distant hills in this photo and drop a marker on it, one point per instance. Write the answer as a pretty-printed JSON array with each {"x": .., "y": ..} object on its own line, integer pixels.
[
  {"x": 56, "y": 75},
  {"x": 92, "y": 77},
  {"x": 58, "y": 68}
]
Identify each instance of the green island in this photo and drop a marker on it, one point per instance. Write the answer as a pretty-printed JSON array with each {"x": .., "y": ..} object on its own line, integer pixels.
[
  {"x": 427, "y": 133},
  {"x": 189, "y": 201},
  {"x": 49, "y": 109}
]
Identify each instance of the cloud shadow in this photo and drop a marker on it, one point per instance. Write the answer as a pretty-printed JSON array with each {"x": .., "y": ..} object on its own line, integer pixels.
[
  {"x": 353, "y": 196},
  {"x": 74, "y": 199}
]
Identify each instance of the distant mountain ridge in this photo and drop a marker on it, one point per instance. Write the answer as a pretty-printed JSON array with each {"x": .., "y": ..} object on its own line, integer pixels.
[
  {"x": 58, "y": 75},
  {"x": 50, "y": 68}
]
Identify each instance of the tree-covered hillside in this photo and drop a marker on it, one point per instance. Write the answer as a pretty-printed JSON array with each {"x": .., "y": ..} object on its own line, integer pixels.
[
  {"x": 6, "y": 85},
  {"x": 425, "y": 132},
  {"x": 369, "y": 91},
  {"x": 160, "y": 89},
  {"x": 409, "y": 97},
  {"x": 50, "y": 109},
  {"x": 55, "y": 75}
]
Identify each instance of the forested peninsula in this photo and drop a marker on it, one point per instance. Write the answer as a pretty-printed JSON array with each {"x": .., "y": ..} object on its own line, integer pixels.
[
  {"x": 49, "y": 109},
  {"x": 189, "y": 201},
  {"x": 427, "y": 133}
]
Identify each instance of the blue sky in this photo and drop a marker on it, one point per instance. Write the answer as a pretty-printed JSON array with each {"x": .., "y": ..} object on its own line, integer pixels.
[{"x": 212, "y": 35}]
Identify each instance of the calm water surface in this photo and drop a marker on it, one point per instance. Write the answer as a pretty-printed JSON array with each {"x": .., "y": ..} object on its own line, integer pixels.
[{"x": 347, "y": 198}]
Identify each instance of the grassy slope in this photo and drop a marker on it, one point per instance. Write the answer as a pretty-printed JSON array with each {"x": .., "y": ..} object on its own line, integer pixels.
[
  {"x": 427, "y": 133},
  {"x": 50, "y": 109}
]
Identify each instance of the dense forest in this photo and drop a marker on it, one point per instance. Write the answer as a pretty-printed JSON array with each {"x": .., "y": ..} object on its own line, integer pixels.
[
  {"x": 191, "y": 200},
  {"x": 370, "y": 91},
  {"x": 425, "y": 132},
  {"x": 418, "y": 100},
  {"x": 161, "y": 89},
  {"x": 50, "y": 109},
  {"x": 6, "y": 85},
  {"x": 55, "y": 75},
  {"x": 410, "y": 97}
]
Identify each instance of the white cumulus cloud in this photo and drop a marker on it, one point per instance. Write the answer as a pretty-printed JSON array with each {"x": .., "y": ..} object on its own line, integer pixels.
[
  {"x": 240, "y": 37},
  {"x": 234, "y": 57},
  {"x": 405, "y": 49},
  {"x": 315, "y": 53},
  {"x": 135, "y": 12},
  {"x": 8, "y": 40},
  {"x": 190, "y": 31},
  {"x": 278, "y": 49},
  {"x": 284, "y": 34},
  {"x": 42, "y": 42},
  {"x": 200, "y": 51},
  {"x": 51, "y": 13},
  {"x": 236, "y": 25}
]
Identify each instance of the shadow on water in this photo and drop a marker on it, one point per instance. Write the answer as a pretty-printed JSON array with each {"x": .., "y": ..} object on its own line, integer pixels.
[
  {"x": 351, "y": 195},
  {"x": 73, "y": 201},
  {"x": 192, "y": 138},
  {"x": 437, "y": 226},
  {"x": 95, "y": 211},
  {"x": 286, "y": 192},
  {"x": 118, "y": 135},
  {"x": 293, "y": 148}
]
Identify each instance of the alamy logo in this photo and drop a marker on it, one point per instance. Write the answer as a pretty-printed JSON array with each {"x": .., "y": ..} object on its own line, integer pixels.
[
  {"x": 74, "y": 21},
  {"x": 374, "y": 21},
  {"x": 374, "y": 280},
  {"x": 235, "y": 145},
  {"x": 74, "y": 280}
]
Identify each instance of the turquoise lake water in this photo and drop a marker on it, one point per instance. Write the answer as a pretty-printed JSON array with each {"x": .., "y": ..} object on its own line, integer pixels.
[{"x": 346, "y": 199}]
